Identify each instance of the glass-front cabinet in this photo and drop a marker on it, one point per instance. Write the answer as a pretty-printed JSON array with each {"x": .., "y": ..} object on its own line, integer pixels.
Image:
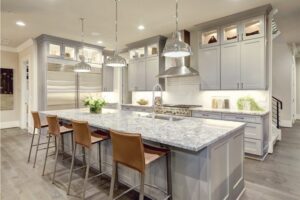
[
  {"x": 91, "y": 55},
  {"x": 137, "y": 53},
  {"x": 54, "y": 49},
  {"x": 69, "y": 53},
  {"x": 253, "y": 28},
  {"x": 230, "y": 33},
  {"x": 210, "y": 37}
]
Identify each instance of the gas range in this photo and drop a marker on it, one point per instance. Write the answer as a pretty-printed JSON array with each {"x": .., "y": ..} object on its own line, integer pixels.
[{"x": 175, "y": 109}]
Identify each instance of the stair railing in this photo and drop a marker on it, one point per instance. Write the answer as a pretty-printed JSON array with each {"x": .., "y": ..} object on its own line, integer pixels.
[{"x": 276, "y": 107}]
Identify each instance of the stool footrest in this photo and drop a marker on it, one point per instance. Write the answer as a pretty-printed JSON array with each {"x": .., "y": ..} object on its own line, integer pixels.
[{"x": 125, "y": 192}]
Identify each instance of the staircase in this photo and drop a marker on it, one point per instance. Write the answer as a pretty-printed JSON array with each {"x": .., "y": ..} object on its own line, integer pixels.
[{"x": 276, "y": 131}]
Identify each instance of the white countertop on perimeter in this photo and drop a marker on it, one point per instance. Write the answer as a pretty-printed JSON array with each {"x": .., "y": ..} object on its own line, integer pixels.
[
  {"x": 189, "y": 133},
  {"x": 234, "y": 111}
]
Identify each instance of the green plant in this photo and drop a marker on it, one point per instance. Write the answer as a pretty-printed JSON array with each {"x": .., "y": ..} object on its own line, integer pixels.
[
  {"x": 94, "y": 104},
  {"x": 253, "y": 105}
]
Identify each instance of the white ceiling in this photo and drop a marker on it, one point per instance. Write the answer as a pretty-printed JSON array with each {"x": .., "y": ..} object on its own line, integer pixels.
[{"x": 61, "y": 18}]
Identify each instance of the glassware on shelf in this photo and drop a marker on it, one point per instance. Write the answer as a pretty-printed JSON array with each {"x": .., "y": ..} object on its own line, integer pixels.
[{"x": 69, "y": 53}]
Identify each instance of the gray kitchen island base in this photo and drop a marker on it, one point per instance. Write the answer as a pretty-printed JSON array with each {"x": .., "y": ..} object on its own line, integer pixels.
[{"x": 213, "y": 173}]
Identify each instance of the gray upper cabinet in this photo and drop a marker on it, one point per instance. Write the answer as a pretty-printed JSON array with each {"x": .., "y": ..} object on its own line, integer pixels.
[
  {"x": 107, "y": 79},
  {"x": 209, "y": 68},
  {"x": 253, "y": 70},
  {"x": 238, "y": 56},
  {"x": 152, "y": 70},
  {"x": 230, "y": 66},
  {"x": 145, "y": 63},
  {"x": 137, "y": 75}
]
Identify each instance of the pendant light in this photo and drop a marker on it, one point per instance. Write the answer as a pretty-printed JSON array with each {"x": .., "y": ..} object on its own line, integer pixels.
[
  {"x": 116, "y": 60},
  {"x": 82, "y": 66},
  {"x": 175, "y": 47}
]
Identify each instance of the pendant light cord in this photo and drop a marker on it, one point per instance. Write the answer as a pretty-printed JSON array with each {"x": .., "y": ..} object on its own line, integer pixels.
[
  {"x": 82, "y": 31},
  {"x": 116, "y": 27},
  {"x": 176, "y": 16}
]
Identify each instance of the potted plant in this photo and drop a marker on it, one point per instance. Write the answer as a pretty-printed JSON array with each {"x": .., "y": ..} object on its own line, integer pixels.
[{"x": 94, "y": 104}]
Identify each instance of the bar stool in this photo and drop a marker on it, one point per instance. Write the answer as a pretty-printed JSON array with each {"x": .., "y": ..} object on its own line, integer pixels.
[
  {"x": 37, "y": 124},
  {"x": 85, "y": 138},
  {"x": 129, "y": 150},
  {"x": 54, "y": 130}
]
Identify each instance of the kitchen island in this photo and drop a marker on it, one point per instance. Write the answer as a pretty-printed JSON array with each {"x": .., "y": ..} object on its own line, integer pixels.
[{"x": 207, "y": 155}]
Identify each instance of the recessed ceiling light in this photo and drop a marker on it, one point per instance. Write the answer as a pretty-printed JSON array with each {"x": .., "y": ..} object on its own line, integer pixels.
[
  {"x": 99, "y": 42},
  {"x": 141, "y": 27},
  {"x": 95, "y": 34},
  {"x": 20, "y": 23}
]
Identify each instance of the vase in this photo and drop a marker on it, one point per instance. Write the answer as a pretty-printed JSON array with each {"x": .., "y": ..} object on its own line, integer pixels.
[{"x": 95, "y": 110}]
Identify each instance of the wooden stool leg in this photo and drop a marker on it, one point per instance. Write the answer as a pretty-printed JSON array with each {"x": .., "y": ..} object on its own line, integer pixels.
[
  {"x": 37, "y": 147},
  {"x": 32, "y": 139},
  {"x": 56, "y": 156},
  {"x": 72, "y": 167},
  {"x": 86, "y": 173},
  {"x": 142, "y": 187},
  {"x": 113, "y": 179},
  {"x": 46, "y": 155},
  {"x": 99, "y": 151},
  {"x": 169, "y": 175}
]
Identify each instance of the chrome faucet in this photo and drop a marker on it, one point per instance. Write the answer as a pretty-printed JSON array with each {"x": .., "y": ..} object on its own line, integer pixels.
[{"x": 153, "y": 93}]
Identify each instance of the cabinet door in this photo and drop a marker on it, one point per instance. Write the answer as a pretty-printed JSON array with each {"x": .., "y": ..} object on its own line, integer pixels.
[
  {"x": 140, "y": 75},
  {"x": 253, "y": 68},
  {"x": 253, "y": 28},
  {"x": 209, "y": 68},
  {"x": 230, "y": 33},
  {"x": 107, "y": 79},
  {"x": 131, "y": 75},
  {"x": 152, "y": 70},
  {"x": 230, "y": 66}
]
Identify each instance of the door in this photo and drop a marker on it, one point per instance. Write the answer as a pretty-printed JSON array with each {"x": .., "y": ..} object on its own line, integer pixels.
[
  {"x": 209, "y": 68},
  {"x": 152, "y": 70},
  {"x": 230, "y": 66},
  {"x": 230, "y": 33},
  {"x": 253, "y": 67},
  {"x": 107, "y": 79}
]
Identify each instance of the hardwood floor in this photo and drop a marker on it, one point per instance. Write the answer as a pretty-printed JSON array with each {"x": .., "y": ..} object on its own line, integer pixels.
[{"x": 277, "y": 178}]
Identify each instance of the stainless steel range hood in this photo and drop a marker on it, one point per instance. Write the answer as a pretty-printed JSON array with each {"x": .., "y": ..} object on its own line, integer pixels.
[{"x": 182, "y": 66}]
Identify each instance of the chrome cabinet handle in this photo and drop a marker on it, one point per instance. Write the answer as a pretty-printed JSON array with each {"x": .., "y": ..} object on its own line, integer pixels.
[
  {"x": 242, "y": 84},
  {"x": 238, "y": 85}
]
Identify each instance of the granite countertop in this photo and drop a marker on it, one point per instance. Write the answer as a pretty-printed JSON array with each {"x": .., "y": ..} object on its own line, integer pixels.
[
  {"x": 191, "y": 134},
  {"x": 234, "y": 111}
]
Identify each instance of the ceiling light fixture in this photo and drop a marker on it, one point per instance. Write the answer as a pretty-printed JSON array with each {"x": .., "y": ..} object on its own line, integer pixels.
[
  {"x": 141, "y": 27},
  {"x": 82, "y": 66},
  {"x": 175, "y": 47},
  {"x": 20, "y": 23},
  {"x": 99, "y": 42},
  {"x": 116, "y": 60}
]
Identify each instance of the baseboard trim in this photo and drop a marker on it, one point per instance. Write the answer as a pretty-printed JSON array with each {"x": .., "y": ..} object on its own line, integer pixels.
[
  {"x": 12, "y": 124},
  {"x": 297, "y": 116},
  {"x": 286, "y": 123}
]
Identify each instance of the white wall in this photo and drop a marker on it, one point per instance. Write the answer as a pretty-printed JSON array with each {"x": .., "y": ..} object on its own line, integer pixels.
[
  {"x": 298, "y": 87},
  {"x": 11, "y": 118},
  {"x": 282, "y": 78}
]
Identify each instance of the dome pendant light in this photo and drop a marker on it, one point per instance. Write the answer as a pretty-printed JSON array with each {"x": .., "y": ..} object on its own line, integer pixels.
[
  {"x": 175, "y": 47},
  {"x": 116, "y": 60},
  {"x": 82, "y": 66}
]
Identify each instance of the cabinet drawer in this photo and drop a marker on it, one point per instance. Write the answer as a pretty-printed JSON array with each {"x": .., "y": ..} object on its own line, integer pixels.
[
  {"x": 128, "y": 108},
  {"x": 242, "y": 118},
  {"x": 207, "y": 115},
  {"x": 254, "y": 131},
  {"x": 253, "y": 146}
]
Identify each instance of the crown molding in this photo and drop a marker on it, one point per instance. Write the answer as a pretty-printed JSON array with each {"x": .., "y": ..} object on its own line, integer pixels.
[
  {"x": 8, "y": 49},
  {"x": 19, "y": 48}
]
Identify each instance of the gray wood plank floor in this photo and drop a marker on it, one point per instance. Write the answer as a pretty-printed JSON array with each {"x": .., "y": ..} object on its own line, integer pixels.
[{"x": 277, "y": 178}]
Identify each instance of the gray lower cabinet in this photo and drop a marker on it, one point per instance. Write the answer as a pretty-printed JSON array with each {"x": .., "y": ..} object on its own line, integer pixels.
[
  {"x": 256, "y": 130},
  {"x": 107, "y": 79}
]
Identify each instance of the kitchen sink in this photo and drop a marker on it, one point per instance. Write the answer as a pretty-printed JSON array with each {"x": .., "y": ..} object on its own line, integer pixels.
[{"x": 164, "y": 117}]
